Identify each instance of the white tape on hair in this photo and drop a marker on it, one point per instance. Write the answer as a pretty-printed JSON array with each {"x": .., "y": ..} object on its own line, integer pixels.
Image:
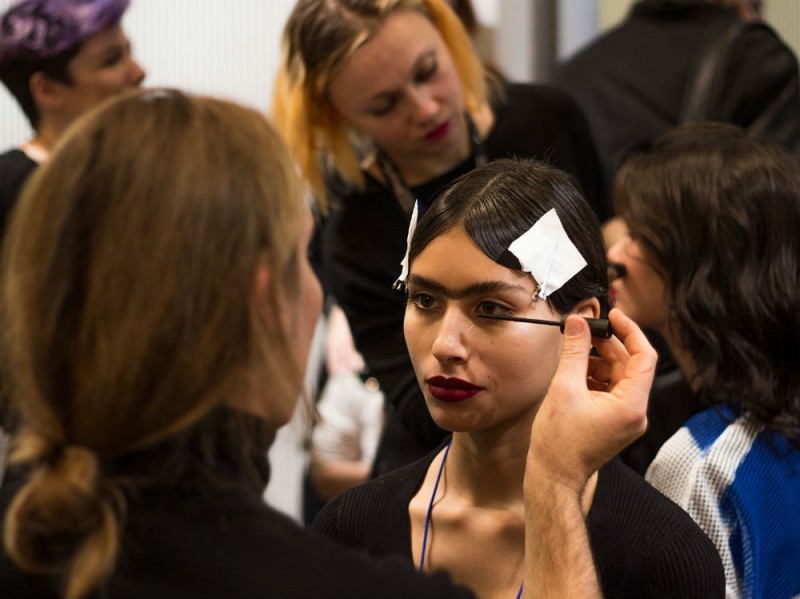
[{"x": 546, "y": 251}]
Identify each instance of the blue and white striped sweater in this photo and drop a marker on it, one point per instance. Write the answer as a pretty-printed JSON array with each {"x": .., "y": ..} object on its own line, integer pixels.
[{"x": 741, "y": 484}]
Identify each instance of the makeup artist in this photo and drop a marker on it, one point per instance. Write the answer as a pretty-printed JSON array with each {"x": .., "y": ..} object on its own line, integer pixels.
[
  {"x": 712, "y": 261},
  {"x": 384, "y": 103}
]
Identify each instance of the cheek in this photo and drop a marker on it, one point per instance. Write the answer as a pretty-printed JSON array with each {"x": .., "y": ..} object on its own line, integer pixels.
[
  {"x": 417, "y": 346},
  {"x": 527, "y": 363}
]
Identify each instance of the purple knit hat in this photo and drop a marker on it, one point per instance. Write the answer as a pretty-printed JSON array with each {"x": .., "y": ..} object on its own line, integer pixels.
[{"x": 34, "y": 30}]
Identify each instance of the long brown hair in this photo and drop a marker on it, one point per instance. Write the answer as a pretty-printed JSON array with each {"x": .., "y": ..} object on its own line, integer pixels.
[
  {"x": 319, "y": 37},
  {"x": 128, "y": 305}
]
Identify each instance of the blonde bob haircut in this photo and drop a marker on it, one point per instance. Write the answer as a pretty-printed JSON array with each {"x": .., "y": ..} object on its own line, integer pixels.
[
  {"x": 319, "y": 37},
  {"x": 129, "y": 309}
]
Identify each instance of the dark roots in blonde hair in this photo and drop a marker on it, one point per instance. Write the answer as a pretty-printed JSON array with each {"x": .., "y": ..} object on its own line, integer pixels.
[
  {"x": 717, "y": 215},
  {"x": 128, "y": 306}
]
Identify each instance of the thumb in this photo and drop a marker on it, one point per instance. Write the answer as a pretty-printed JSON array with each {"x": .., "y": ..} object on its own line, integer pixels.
[{"x": 574, "y": 361}]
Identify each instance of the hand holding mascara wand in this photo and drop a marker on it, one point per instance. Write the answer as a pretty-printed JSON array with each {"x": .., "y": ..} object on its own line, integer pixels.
[{"x": 599, "y": 327}]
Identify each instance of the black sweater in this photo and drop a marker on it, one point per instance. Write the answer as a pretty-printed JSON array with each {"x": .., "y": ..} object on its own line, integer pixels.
[
  {"x": 196, "y": 532},
  {"x": 644, "y": 545}
]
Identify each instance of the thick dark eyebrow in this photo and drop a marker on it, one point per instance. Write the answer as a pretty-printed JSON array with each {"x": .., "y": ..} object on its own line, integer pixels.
[
  {"x": 387, "y": 95},
  {"x": 481, "y": 288}
]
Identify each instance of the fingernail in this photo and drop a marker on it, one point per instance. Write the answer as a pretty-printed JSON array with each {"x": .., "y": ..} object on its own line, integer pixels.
[{"x": 572, "y": 327}]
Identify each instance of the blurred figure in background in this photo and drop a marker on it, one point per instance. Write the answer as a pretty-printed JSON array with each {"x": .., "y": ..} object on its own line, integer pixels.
[
  {"x": 673, "y": 61},
  {"x": 59, "y": 58},
  {"x": 713, "y": 264}
]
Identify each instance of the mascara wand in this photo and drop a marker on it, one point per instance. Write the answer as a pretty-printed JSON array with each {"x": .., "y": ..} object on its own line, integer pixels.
[{"x": 599, "y": 327}]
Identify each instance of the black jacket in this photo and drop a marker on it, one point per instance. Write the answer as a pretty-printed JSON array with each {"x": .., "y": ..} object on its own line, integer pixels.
[{"x": 631, "y": 82}]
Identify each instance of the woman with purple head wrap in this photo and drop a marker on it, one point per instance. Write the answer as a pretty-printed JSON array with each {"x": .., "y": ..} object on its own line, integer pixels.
[{"x": 58, "y": 58}]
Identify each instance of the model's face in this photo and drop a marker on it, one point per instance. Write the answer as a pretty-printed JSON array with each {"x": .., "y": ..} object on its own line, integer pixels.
[
  {"x": 401, "y": 89},
  {"x": 103, "y": 67},
  {"x": 641, "y": 293},
  {"x": 476, "y": 373}
]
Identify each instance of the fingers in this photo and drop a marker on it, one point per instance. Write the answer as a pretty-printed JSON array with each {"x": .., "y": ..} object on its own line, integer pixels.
[
  {"x": 574, "y": 361},
  {"x": 640, "y": 366},
  {"x": 630, "y": 334}
]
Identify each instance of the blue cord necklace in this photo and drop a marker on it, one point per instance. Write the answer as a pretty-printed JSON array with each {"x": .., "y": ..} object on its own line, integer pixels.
[{"x": 430, "y": 513}]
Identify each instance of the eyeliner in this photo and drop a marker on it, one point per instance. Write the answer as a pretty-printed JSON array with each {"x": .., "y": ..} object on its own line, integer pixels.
[{"x": 599, "y": 327}]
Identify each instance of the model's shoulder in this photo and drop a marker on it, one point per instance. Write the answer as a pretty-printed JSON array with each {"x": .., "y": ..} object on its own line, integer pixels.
[{"x": 625, "y": 498}]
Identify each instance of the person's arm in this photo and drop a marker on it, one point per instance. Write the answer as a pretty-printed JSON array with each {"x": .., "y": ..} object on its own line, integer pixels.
[{"x": 593, "y": 409}]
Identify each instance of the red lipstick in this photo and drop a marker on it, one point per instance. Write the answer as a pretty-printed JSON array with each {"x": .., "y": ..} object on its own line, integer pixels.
[
  {"x": 439, "y": 132},
  {"x": 451, "y": 390}
]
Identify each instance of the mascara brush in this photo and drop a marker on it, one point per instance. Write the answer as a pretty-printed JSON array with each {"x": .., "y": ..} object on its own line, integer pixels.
[{"x": 599, "y": 327}]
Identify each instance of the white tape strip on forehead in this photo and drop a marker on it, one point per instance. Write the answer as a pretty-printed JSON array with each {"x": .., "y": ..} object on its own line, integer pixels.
[
  {"x": 411, "y": 228},
  {"x": 546, "y": 251}
]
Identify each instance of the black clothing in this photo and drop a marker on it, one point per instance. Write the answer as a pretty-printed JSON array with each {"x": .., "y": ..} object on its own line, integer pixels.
[
  {"x": 644, "y": 545},
  {"x": 15, "y": 167},
  {"x": 196, "y": 533},
  {"x": 630, "y": 83},
  {"x": 364, "y": 240}
]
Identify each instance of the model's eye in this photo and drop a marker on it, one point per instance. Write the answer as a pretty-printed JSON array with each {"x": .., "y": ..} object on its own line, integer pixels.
[
  {"x": 487, "y": 307},
  {"x": 423, "y": 301}
]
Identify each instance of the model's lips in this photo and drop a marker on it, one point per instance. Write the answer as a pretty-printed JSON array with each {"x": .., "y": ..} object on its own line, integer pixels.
[
  {"x": 438, "y": 132},
  {"x": 451, "y": 390}
]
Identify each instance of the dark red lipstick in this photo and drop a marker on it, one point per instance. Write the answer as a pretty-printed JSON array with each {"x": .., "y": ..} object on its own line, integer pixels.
[
  {"x": 451, "y": 390},
  {"x": 439, "y": 132}
]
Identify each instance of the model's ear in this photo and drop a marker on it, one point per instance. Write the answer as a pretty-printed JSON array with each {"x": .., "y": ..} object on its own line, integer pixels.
[
  {"x": 589, "y": 308},
  {"x": 47, "y": 92},
  {"x": 262, "y": 288}
]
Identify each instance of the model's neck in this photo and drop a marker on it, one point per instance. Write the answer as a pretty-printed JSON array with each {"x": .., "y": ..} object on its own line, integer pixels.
[
  {"x": 487, "y": 468},
  {"x": 45, "y": 136}
]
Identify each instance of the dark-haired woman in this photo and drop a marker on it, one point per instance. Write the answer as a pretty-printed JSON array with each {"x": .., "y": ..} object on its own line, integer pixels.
[{"x": 712, "y": 257}]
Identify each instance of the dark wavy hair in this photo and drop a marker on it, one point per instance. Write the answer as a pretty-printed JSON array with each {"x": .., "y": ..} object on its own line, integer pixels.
[
  {"x": 717, "y": 214},
  {"x": 500, "y": 201}
]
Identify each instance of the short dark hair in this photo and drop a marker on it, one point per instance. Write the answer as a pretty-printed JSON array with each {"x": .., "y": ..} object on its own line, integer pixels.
[{"x": 498, "y": 202}]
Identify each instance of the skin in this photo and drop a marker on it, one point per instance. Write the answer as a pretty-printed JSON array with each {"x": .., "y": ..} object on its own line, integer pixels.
[
  {"x": 103, "y": 67},
  {"x": 397, "y": 88},
  {"x": 582, "y": 423},
  {"x": 641, "y": 293},
  {"x": 299, "y": 317},
  {"x": 480, "y": 504}
]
